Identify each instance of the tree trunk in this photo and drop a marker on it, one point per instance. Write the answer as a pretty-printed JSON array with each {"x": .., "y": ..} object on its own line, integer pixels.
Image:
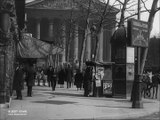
[
  {"x": 98, "y": 38},
  {"x": 150, "y": 22},
  {"x": 121, "y": 22},
  {"x": 83, "y": 47},
  {"x": 85, "y": 36}
]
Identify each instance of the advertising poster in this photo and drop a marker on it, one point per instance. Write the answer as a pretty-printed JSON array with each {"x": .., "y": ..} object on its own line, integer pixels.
[{"x": 107, "y": 87}]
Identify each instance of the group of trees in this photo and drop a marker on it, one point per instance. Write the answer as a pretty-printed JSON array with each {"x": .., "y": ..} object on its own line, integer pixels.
[{"x": 127, "y": 9}]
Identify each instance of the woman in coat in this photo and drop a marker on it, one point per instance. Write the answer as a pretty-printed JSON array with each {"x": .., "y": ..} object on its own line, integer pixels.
[{"x": 18, "y": 82}]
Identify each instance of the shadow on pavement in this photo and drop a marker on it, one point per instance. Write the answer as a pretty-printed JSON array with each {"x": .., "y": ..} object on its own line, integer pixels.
[
  {"x": 65, "y": 94},
  {"x": 57, "y": 102},
  {"x": 113, "y": 106}
]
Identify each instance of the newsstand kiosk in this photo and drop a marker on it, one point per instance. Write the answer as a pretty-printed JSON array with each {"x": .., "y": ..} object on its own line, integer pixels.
[
  {"x": 123, "y": 69},
  {"x": 102, "y": 78}
]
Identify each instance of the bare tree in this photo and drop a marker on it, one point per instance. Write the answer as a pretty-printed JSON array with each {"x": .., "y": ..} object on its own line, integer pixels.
[
  {"x": 86, "y": 34},
  {"x": 100, "y": 13},
  {"x": 152, "y": 13},
  {"x": 128, "y": 5},
  {"x": 127, "y": 10}
]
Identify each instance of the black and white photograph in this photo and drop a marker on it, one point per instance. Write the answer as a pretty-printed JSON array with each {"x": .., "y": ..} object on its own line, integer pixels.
[{"x": 79, "y": 60}]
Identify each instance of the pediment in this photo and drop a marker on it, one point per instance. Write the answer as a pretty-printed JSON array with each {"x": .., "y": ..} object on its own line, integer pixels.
[{"x": 53, "y": 4}]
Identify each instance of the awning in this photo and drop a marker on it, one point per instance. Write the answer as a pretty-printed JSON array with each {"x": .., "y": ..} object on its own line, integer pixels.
[{"x": 30, "y": 47}]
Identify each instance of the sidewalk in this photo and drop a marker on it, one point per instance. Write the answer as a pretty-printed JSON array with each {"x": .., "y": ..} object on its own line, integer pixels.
[{"x": 66, "y": 104}]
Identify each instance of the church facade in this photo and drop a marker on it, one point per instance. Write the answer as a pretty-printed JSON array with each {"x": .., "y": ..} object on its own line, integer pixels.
[{"x": 62, "y": 23}]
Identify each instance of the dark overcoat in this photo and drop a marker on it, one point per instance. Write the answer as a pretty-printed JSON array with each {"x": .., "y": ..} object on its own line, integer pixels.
[
  {"x": 78, "y": 79},
  {"x": 50, "y": 73},
  {"x": 69, "y": 74},
  {"x": 61, "y": 76},
  {"x": 87, "y": 80},
  {"x": 18, "y": 81},
  {"x": 30, "y": 76}
]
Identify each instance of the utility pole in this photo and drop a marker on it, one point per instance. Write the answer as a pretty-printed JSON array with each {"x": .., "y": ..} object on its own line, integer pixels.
[{"x": 137, "y": 100}]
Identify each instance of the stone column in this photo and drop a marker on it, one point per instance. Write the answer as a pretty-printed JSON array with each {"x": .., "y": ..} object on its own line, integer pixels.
[
  {"x": 100, "y": 46},
  {"x": 38, "y": 28},
  {"x": 88, "y": 45},
  {"x": 108, "y": 45},
  {"x": 50, "y": 30},
  {"x": 50, "y": 38},
  {"x": 76, "y": 42},
  {"x": 63, "y": 27}
]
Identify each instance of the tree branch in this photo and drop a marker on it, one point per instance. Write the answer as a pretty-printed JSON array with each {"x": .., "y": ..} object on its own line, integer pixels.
[
  {"x": 145, "y": 6},
  {"x": 120, "y": 2},
  {"x": 157, "y": 9},
  {"x": 135, "y": 14}
]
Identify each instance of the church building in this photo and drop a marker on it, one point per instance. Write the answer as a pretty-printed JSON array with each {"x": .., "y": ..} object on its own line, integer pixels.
[{"x": 62, "y": 23}]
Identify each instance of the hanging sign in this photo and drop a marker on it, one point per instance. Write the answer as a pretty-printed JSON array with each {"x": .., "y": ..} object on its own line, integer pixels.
[{"x": 138, "y": 33}]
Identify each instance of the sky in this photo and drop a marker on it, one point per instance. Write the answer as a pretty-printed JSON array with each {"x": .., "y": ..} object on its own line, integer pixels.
[{"x": 144, "y": 17}]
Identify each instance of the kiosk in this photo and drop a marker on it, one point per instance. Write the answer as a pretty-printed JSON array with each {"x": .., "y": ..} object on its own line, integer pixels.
[
  {"x": 102, "y": 78},
  {"x": 123, "y": 70}
]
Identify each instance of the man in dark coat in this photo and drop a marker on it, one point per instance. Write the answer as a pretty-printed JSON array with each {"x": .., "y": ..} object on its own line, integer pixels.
[
  {"x": 69, "y": 76},
  {"x": 78, "y": 79},
  {"x": 51, "y": 77},
  {"x": 18, "y": 82},
  {"x": 30, "y": 79},
  {"x": 61, "y": 77},
  {"x": 87, "y": 81}
]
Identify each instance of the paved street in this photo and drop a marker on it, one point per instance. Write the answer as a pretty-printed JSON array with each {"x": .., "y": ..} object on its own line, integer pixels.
[{"x": 65, "y": 104}]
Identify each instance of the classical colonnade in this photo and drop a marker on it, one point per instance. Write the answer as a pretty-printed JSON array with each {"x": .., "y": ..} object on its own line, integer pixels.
[{"x": 76, "y": 39}]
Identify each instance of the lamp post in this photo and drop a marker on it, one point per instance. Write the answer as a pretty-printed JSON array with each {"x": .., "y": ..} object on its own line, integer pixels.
[{"x": 136, "y": 97}]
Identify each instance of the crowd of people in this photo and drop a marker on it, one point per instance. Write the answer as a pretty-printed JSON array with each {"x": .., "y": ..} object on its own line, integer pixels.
[
  {"x": 59, "y": 76},
  {"x": 150, "y": 82},
  {"x": 39, "y": 76},
  {"x": 22, "y": 75}
]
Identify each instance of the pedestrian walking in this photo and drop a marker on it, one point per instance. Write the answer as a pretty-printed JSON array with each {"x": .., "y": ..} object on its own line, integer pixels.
[
  {"x": 38, "y": 76},
  {"x": 69, "y": 76},
  {"x": 18, "y": 82},
  {"x": 30, "y": 79},
  {"x": 87, "y": 81},
  {"x": 78, "y": 79},
  {"x": 54, "y": 80},
  {"x": 51, "y": 77},
  {"x": 61, "y": 77},
  {"x": 43, "y": 77}
]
